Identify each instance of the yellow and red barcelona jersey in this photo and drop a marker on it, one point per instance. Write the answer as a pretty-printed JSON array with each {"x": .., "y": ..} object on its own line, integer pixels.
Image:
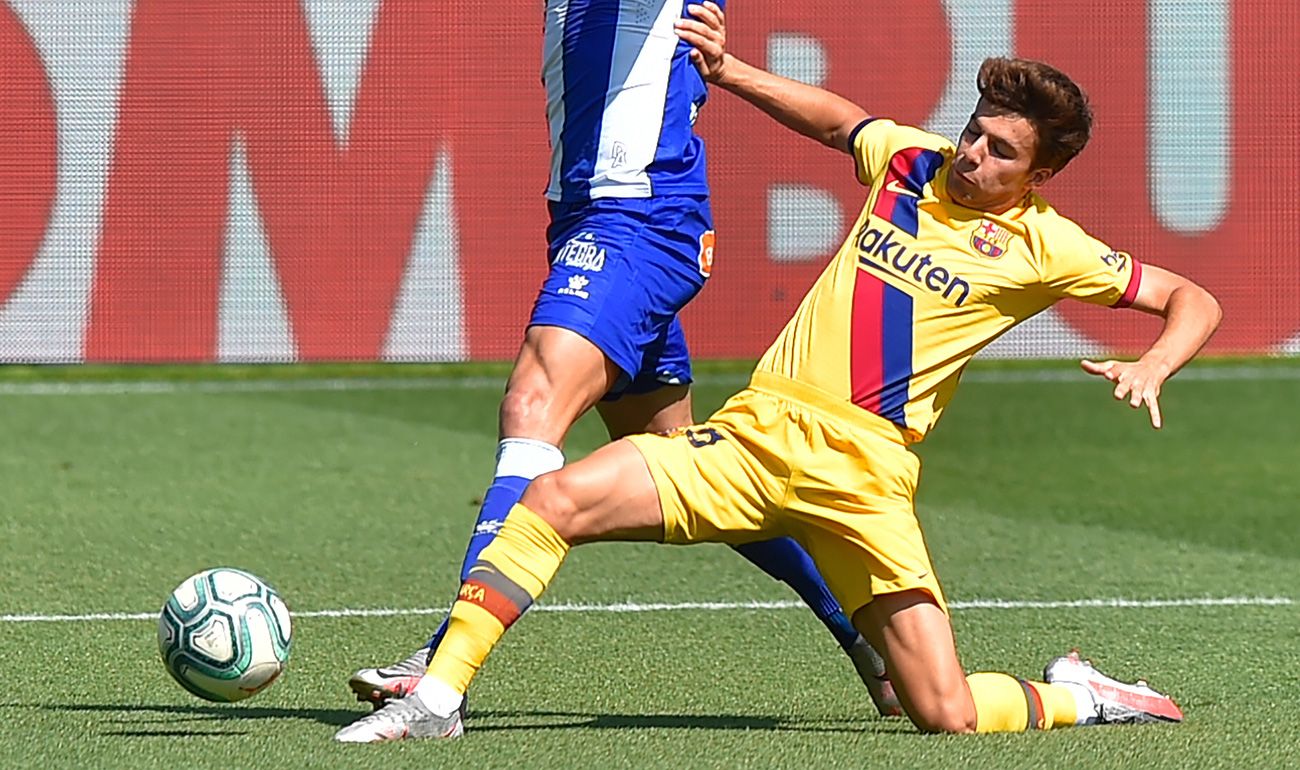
[{"x": 922, "y": 284}]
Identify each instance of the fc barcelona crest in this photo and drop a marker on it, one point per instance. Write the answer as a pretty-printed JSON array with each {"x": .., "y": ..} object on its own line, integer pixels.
[{"x": 990, "y": 240}]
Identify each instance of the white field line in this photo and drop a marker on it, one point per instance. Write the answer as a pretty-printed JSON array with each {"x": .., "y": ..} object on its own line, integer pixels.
[
  {"x": 132, "y": 387},
  {"x": 626, "y": 607}
]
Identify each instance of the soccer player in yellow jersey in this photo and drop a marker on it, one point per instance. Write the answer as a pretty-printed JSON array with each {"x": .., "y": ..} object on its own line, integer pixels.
[{"x": 953, "y": 247}]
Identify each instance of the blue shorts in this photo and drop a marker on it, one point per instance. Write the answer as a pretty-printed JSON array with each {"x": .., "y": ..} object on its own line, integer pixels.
[{"x": 621, "y": 269}]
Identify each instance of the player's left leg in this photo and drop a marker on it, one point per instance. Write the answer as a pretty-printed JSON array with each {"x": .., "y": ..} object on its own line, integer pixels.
[
  {"x": 662, "y": 410},
  {"x": 654, "y": 403},
  {"x": 913, "y": 632},
  {"x": 853, "y": 511}
]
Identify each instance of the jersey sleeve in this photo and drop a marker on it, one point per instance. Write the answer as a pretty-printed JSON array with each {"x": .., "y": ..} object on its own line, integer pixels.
[
  {"x": 875, "y": 140},
  {"x": 1078, "y": 266}
]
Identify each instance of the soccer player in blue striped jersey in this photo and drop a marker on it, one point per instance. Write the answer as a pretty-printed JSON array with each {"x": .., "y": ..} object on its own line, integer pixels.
[{"x": 630, "y": 242}]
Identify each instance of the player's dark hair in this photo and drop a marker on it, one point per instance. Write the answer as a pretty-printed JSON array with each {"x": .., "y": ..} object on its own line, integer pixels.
[{"x": 1052, "y": 103}]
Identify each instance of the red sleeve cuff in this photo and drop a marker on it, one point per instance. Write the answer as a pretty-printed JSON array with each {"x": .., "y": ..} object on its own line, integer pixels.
[{"x": 1134, "y": 283}]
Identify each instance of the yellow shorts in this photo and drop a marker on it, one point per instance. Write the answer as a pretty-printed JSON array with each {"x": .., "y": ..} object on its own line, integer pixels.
[{"x": 766, "y": 465}]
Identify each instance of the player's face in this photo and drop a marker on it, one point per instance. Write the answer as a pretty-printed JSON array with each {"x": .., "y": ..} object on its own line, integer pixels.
[{"x": 993, "y": 169}]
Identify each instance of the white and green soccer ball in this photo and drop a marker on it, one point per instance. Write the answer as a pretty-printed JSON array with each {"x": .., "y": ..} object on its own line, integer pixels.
[{"x": 224, "y": 635}]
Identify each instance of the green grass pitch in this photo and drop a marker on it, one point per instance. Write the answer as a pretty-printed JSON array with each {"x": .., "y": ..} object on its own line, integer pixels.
[{"x": 1037, "y": 487}]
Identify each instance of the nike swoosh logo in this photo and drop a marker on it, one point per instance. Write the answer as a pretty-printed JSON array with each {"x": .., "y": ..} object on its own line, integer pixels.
[{"x": 896, "y": 187}]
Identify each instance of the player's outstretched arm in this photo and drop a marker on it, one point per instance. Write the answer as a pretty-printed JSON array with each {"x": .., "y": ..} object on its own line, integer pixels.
[
  {"x": 813, "y": 112},
  {"x": 1191, "y": 315}
]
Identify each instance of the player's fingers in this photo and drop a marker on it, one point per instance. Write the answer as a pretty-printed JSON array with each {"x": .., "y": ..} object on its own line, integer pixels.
[
  {"x": 702, "y": 37},
  {"x": 706, "y": 49},
  {"x": 691, "y": 27},
  {"x": 1137, "y": 395},
  {"x": 1101, "y": 369},
  {"x": 717, "y": 12},
  {"x": 1153, "y": 406},
  {"x": 708, "y": 13},
  {"x": 692, "y": 37}
]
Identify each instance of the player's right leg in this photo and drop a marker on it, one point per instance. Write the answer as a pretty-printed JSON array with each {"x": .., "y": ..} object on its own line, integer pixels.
[
  {"x": 558, "y": 375},
  {"x": 706, "y": 484},
  {"x": 607, "y": 496},
  {"x": 620, "y": 270}
]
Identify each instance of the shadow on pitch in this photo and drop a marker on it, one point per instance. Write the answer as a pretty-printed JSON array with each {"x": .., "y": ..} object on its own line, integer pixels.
[
  {"x": 139, "y": 714},
  {"x": 139, "y": 720},
  {"x": 489, "y": 721},
  {"x": 173, "y": 733}
]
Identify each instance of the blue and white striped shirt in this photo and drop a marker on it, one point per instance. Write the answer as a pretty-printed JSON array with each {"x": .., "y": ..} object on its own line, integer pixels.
[{"x": 621, "y": 98}]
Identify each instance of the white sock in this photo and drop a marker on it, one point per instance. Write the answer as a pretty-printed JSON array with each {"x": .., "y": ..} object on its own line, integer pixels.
[
  {"x": 1085, "y": 706},
  {"x": 437, "y": 697},
  {"x": 527, "y": 458}
]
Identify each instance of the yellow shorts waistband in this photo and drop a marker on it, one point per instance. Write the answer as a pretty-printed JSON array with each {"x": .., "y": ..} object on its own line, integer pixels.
[{"x": 818, "y": 400}]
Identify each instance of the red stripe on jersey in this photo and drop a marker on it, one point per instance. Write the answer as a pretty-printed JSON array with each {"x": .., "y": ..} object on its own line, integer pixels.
[
  {"x": 896, "y": 174},
  {"x": 866, "y": 342}
]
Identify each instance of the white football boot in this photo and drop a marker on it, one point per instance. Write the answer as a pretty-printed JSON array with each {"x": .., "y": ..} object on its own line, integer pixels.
[
  {"x": 379, "y": 685},
  {"x": 1115, "y": 701},
  {"x": 402, "y": 719}
]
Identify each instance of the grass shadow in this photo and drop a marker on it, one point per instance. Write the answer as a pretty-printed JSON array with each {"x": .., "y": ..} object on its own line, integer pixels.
[
  {"x": 173, "y": 733},
  {"x": 510, "y": 720},
  {"x": 334, "y": 717},
  {"x": 151, "y": 720}
]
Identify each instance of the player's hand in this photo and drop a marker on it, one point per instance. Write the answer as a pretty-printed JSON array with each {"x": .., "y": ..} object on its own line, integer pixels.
[
  {"x": 1138, "y": 382},
  {"x": 707, "y": 31}
]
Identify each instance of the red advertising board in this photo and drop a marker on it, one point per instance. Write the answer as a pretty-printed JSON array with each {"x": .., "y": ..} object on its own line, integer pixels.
[{"x": 339, "y": 211}]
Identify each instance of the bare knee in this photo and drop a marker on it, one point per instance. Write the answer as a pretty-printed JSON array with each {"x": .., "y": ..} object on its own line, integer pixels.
[
  {"x": 914, "y": 635},
  {"x": 550, "y": 497},
  {"x": 949, "y": 715},
  {"x": 526, "y": 404},
  {"x": 551, "y": 386}
]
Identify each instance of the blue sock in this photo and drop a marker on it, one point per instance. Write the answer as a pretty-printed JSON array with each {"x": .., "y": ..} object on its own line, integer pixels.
[
  {"x": 787, "y": 561},
  {"x": 519, "y": 461},
  {"x": 497, "y": 502}
]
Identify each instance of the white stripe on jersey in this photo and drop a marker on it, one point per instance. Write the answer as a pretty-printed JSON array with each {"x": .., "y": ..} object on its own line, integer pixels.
[
  {"x": 553, "y": 77},
  {"x": 634, "y": 110}
]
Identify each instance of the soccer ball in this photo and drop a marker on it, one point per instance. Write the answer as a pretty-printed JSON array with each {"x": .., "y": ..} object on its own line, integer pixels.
[{"x": 224, "y": 635}]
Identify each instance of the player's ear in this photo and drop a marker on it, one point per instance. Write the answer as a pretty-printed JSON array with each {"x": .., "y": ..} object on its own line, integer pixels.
[{"x": 1039, "y": 177}]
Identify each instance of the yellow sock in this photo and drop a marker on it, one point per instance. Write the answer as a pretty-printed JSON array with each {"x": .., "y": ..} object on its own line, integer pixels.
[
  {"x": 1006, "y": 704},
  {"x": 509, "y": 575}
]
